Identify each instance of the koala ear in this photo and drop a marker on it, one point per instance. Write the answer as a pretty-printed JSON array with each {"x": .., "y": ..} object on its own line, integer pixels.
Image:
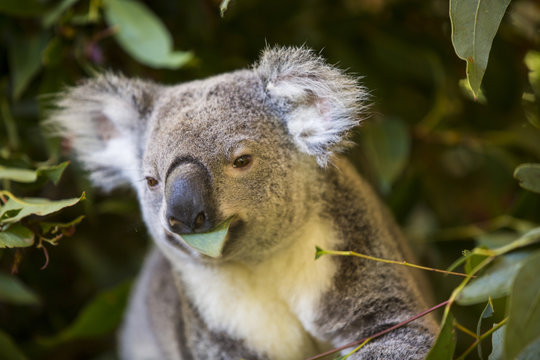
[
  {"x": 318, "y": 103},
  {"x": 104, "y": 120}
]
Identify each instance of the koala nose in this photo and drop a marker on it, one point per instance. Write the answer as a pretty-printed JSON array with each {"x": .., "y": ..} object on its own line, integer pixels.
[{"x": 189, "y": 199}]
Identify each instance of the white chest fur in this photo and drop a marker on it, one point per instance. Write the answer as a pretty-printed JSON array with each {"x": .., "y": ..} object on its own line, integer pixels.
[{"x": 272, "y": 305}]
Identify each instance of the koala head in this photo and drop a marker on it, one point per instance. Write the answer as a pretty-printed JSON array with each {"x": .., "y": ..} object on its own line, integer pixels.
[{"x": 248, "y": 146}]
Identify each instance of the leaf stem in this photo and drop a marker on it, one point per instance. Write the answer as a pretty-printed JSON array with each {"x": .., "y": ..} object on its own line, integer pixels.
[
  {"x": 465, "y": 330},
  {"x": 481, "y": 337},
  {"x": 363, "y": 341},
  {"x": 405, "y": 263}
]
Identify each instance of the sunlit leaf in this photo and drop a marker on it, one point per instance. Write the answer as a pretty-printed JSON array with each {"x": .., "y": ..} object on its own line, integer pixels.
[
  {"x": 53, "y": 173},
  {"x": 528, "y": 176},
  {"x": 25, "y": 60},
  {"x": 445, "y": 345},
  {"x": 524, "y": 309},
  {"x": 34, "y": 206},
  {"x": 474, "y": 25},
  {"x": 496, "y": 281},
  {"x": 224, "y": 6},
  {"x": 13, "y": 291},
  {"x": 9, "y": 349},
  {"x": 387, "y": 146},
  {"x": 20, "y": 175},
  {"x": 532, "y": 60},
  {"x": 16, "y": 236},
  {"x": 142, "y": 34},
  {"x": 100, "y": 317}
]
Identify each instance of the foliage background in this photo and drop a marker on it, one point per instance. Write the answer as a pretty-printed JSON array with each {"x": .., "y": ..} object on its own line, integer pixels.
[{"x": 440, "y": 159}]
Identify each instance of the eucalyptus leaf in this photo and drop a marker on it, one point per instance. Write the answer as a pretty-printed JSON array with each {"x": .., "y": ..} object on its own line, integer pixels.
[
  {"x": 487, "y": 313},
  {"x": 52, "y": 173},
  {"x": 142, "y": 34},
  {"x": 224, "y": 6},
  {"x": 387, "y": 146},
  {"x": 16, "y": 236},
  {"x": 210, "y": 243},
  {"x": 19, "y": 175},
  {"x": 13, "y": 291},
  {"x": 523, "y": 326},
  {"x": 496, "y": 281},
  {"x": 474, "y": 25},
  {"x": 54, "y": 228},
  {"x": 532, "y": 61},
  {"x": 34, "y": 206},
  {"x": 528, "y": 176},
  {"x": 9, "y": 349},
  {"x": 25, "y": 60},
  {"x": 100, "y": 317},
  {"x": 445, "y": 344},
  {"x": 497, "y": 343}
]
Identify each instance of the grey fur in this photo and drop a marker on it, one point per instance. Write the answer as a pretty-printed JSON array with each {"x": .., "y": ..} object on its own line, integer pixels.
[{"x": 291, "y": 112}]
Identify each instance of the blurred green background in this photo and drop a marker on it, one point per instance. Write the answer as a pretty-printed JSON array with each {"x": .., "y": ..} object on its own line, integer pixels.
[{"x": 440, "y": 159}]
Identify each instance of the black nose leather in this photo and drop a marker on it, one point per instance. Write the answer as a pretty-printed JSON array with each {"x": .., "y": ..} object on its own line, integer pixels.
[{"x": 189, "y": 199}]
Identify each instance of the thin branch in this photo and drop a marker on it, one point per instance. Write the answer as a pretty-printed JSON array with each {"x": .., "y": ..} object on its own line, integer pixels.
[
  {"x": 405, "y": 263},
  {"x": 369, "y": 338},
  {"x": 465, "y": 330}
]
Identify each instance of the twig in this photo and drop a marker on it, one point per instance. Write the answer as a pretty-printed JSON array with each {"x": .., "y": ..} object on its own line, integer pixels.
[
  {"x": 320, "y": 252},
  {"x": 480, "y": 338},
  {"x": 369, "y": 338}
]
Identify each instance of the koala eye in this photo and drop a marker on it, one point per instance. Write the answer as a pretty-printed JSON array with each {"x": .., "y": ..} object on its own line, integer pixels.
[
  {"x": 151, "y": 182},
  {"x": 242, "y": 161}
]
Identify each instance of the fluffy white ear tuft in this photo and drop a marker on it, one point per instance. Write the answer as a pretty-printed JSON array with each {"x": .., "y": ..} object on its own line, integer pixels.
[
  {"x": 104, "y": 120},
  {"x": 318, "y": 103}
]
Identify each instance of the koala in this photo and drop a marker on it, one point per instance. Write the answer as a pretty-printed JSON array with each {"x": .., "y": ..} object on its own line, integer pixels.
[{"x": 239, "y": 178}]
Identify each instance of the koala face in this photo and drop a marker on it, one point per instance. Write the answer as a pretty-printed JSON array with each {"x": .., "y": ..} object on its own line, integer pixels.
[
  {"x": 246, "y": 147},
  {"x": 252, "y": 172}
]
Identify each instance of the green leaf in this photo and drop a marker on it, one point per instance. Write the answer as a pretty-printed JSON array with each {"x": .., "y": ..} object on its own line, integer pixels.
[
  {"x": 497, "y": 343},
  {"x": 523, "y": 326},
  {"x": 487, "y": 313},
  {"x": 52, "y": 173},
  {"x": 224, "y": 6},
  {"x": 473, "y": 261},
  {"x": 22, "y": 8},
  {"x": 142, "y": 34},
  {"x": 474, "y": 25},
  {"x": 54, "y": 228},
  {"x": 34, "y": 206},
  {"x": 445, "y": 345},
  {"x": 52, "y": 16},
  {"x": 210, "y": 243},
  {"x": 532, "y": 61},
  {"x": 318, "y": 252},
  {"x": 13, "y": 291},
  {"x": 19, "y": 175},
  {"x": 9, "y": 349},
  {"x": 387, "y": 146},
  {"x": 16, "y": 236},
  {"x": 100, "y": 317},
  {"x": 496, "y": 281},
  {"x": 528, "y": 176},
  {"x": 25, "y": 56}
]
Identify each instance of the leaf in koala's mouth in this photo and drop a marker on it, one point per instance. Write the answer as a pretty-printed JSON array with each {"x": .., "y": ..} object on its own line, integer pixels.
[{"x": 210, "y": 243}]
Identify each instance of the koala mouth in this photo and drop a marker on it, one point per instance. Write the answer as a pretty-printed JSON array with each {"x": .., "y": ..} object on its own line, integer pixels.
[{"x": 210, "y": 243}]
